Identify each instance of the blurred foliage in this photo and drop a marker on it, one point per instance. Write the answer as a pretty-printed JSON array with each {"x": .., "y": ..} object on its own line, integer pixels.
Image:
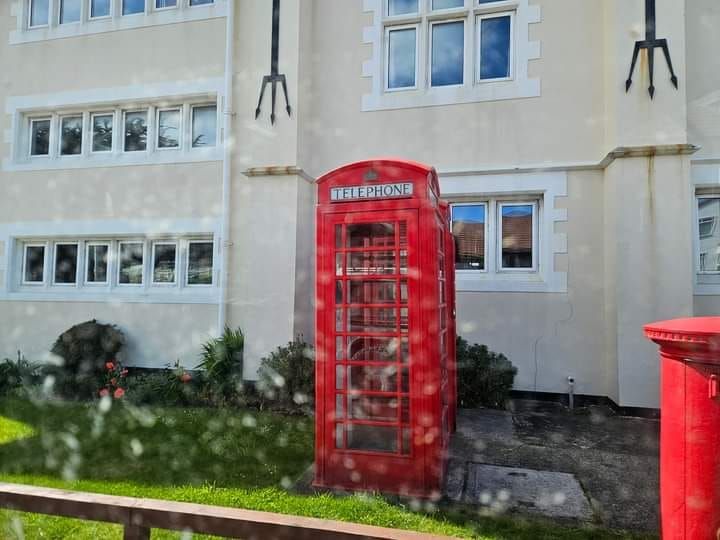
[
  {"x": 174, "y": 386},
  {"x": 222, "y": 365},
  {"x": 287, "y": 376},
  {"x": 84, "y": 349},
  {"x": 484, "y": 378},
  {"x": 18, "y": 376}
]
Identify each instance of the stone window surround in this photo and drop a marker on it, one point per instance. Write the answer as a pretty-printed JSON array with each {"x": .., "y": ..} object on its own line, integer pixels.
[
  {"x": 520, "y": 86},
  {"x": 152, "y": 17}
]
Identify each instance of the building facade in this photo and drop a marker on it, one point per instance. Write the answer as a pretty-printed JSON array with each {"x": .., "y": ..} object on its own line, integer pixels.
[{"x": 138, "y": 187}]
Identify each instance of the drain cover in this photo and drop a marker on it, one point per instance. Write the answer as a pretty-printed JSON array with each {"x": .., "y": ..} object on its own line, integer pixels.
[{"x": 501, "y": 489}]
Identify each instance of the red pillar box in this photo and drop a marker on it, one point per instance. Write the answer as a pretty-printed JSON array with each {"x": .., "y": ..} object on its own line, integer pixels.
[
  {"x": 384, "y": 372},
  {"x": 690, "y": 428}
]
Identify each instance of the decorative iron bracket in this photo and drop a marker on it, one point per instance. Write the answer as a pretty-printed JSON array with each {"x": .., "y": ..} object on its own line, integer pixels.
[
  {"x": 275, "y": 77},
  {"x": 650, "y": 44}
]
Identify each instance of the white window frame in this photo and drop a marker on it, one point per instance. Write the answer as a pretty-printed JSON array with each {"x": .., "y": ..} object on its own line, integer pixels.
[
  {"x": 152, "y": 264},
  {"x": 191, "y": 6},
  {"x": 148, "y": 136},
  {"x": 54, "y": 263},
  {"x": 181, "y": 132},
  {"x": 143, "y": 12},
  {"x": 29, "y": 15},
  {"x": 486, "y": 205},
  {"x": 431, "y": 25},
  {"x": 61, "y": 5},
  {"x": 156, "y": 8},
  {"x": 713, "y": 223},
  {"x": 388, "y": 30},
  {"x": 100, "y": 17},
  {"x": 32, "y": 120},
  {"x": 192, "y": 124},
  {"x": 82, "y": 135},
  {"x": 478, "y": 43},
  {"x": 708, "y": 274},
  {"x": 91, "y": 133},
  {"x": 535, "y": 240},
  {"x": 119, "y": 264},
  {"x": 443, "y": 11},
  {"x": 88, "y": 245},
  {"x": 187, "y": 264},
  {"x": 23, "y": 269}
]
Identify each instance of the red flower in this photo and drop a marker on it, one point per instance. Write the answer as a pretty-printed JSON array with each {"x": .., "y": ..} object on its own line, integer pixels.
[
  {"x": 104, "y": 392},
  {"x": 119, "y": 393},
  {"x": 109, "y": 366},
  {"x": 113, "y": 381},
  {"x": 124, "y": 372},
  {"x": 186, "y": 377}
]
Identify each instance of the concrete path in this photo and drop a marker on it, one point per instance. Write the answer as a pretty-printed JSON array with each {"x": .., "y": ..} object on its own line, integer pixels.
[{"x": 610, "y": 464}]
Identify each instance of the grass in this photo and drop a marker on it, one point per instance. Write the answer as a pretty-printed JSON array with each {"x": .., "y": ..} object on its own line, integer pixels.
[{"x": 230, "y": 458}]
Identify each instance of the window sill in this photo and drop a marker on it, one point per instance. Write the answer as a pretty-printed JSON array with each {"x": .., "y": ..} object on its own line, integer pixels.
[
  {"x": 522, "y": 283},
  {"x": 115, "y": 295},
  {"x": 112, "y": 24}
]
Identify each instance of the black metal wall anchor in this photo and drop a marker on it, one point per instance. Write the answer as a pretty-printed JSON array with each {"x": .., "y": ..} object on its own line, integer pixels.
[
  {"x": 650, "y": 44},
  {"x": 274, "y": 78}
]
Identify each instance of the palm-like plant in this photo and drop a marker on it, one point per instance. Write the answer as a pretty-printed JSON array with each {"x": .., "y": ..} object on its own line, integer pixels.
[{"x": 222, "y": 363}]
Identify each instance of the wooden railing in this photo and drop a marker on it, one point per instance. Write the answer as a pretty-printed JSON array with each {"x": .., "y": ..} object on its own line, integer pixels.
[{"x": 138, "y": 516}]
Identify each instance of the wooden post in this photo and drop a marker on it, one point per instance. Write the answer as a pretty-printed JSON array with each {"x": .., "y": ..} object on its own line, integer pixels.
[{"x": 136, "y": 532}]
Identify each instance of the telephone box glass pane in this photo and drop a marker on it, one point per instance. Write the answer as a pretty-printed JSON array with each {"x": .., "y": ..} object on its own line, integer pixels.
[
  {"x": 338, "y": 292},
  {"x": 372, "y": 438},
  {"x": 365, "y": 235},
  {"x": 338, "y": 320},
  {"x": 339, "y": 407},
  {"x": 339, "y": 264},
  {"x": 374, "y": 408},
  {"x": 373, "y": 292},
  {"x": 372, "y": 320},
  {"x": 372, "y": 262},
  {"x": 338, "y": 236},
  {"x": 339, "y": 430},
  {"x": 372, "y": 349},
  {"x": 406, "y": 440},
  {"x": 339, "y": 381},
  {"x": 403, "y": 261},
  {"x": 373, "y": 378}
]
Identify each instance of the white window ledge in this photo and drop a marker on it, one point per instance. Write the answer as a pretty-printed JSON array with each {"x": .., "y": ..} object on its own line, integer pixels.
[
  {"x": 520, "y": 86},
  {"x": 457, "y": 187},
  {"x": 183, "y": 13}
]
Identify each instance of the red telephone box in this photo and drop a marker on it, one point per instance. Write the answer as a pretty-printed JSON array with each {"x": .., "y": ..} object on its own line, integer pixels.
[{"x": 385, "y": 367}]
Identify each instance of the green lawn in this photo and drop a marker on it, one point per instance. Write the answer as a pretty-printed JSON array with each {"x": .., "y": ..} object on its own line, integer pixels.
[{"x": 224, "y": 457}]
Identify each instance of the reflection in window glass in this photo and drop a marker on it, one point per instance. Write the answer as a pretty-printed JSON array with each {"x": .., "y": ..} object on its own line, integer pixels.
[
  {"x": 131, "y": 263},
  {"x": 168, "y": 129},
  {"x": 164, "y": 257},
  {"x": 468, "y": 227},
  {"x": 402, "y": 54},
  {"x": 517, "y": 236},
  {"x": 102, "y": 126},
  {"x": 495, "y": 48},
  {"x": 66, "y": 256},
  {"x": 370, "y": 235},
  {"x": 447, "y": 4},
  {"x": 34, "y": 264},
  {"x": 401, "y": 7},
  {"x": 129, "y": 7},
  {"x": 709, "y": 233},
  {"x": 69, "y": 11},
  {"x": 136, "y": 131},
  {"x": 39, "y": 12},
  {"x": 448, "y": 53},
  {"x": 200, "y": 2},
  {"x": 160, "y": 4},
  {"x": 200, "y": 263},
  {"x": 39, "y": 137},
  {"x": 71, "y": 136},
  {"x": 204, "y": 128},
  {"x": 372, "y": 438},
  {"x": 97, "y": 263},
  {"x": 99, "y": 8}
]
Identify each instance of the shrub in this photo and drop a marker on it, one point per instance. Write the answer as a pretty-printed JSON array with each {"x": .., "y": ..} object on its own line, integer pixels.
[
  {"x": 171, "y": 386},
  {"x": 85, "y": 349},
  {"x": 287, "y": 376},
  {"x": 114, "y": 380},
  {"x": 17, "y": 374},
  {"x": 222, "y": 365},
  {"x": 485, "y": 378}
]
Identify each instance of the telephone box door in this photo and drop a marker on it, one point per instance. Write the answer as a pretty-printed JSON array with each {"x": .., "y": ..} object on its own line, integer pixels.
[{"x": 372, "y": 311}]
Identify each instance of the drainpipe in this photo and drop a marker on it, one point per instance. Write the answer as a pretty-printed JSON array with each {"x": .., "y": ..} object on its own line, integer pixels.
[{"x": 227, "y": 157}]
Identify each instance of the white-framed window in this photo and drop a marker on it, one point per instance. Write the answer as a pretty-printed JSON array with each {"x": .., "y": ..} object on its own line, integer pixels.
[
  {"x": 496, "y": 236},
  {"x": 164, "y": 263},
  {"x": 133, "y": 7},
  {"x": 707, "y": 234},
  {"x": 204, "y": 126},
  {"x": 71, "y": 135},
  {"x": 39, "y": 143},
  {"x": 65, "y": 263},
  {"x": 135, "y": 126},
  {"x": 169, "y": 128},
  {"x": 199, "y": 270},
  {"x": 97, "y": 263},
  {"x": 103, "y": 132},
  {"x": 100, "y": 9},
  {"x": 131, "y": 263},
  {"x": 33, "y": 263},
  {"x": 70, "y": 11},
  {"x": 464, "y": 51},
  {"x": 194, "y": 3},
  {"x": 38, "y": 13},
  {"x": 165, "y": 4}
]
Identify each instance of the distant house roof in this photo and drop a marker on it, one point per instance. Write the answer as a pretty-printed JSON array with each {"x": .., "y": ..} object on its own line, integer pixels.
[{"x": 470, "y": 237}]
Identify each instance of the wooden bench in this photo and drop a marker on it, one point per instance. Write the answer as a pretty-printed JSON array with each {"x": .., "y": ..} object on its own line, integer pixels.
[{"x": 138, "y": 516}]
